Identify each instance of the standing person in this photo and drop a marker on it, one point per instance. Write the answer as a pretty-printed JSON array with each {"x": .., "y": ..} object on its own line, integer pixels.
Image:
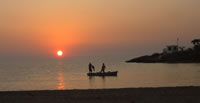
[
  {"x": 91, "y": 67},
  {"x": 103, "y": 68}
]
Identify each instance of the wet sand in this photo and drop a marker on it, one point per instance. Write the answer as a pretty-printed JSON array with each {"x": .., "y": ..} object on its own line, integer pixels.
[{"x": 126, "y": 95}]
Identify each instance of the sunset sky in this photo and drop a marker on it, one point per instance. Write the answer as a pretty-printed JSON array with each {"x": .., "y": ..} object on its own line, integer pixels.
[{"x": 38, "y": 28}]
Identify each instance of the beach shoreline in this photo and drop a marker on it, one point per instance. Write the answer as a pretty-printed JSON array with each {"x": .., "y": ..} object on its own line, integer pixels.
[{"x": 188, "y": 94}]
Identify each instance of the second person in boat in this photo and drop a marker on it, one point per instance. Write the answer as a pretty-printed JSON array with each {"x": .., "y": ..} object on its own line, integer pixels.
[{"x": 103, "y": 68}]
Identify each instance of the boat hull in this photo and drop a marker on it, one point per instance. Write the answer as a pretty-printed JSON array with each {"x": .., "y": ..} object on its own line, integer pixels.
[{"x": 103, "y": 74}]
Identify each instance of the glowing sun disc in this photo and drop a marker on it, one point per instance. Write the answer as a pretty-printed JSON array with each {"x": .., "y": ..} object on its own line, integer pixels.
[{"x": 59, "y": 53}]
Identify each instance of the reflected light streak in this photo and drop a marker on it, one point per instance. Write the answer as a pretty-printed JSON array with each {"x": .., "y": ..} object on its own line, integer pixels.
[{"x": 61, "y": 82}]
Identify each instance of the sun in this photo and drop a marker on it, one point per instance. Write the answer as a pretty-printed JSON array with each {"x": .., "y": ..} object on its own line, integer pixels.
[{"x": 59, "y": 53}]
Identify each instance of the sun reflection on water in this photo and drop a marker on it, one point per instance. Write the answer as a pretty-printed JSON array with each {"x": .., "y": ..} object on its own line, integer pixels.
[{"x": 61, "y": 82}]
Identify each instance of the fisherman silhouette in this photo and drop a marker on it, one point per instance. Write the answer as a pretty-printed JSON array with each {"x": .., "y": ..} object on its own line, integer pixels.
[
  {"x": 91, "y": 67},
  {"x": 103, "y": 68}
]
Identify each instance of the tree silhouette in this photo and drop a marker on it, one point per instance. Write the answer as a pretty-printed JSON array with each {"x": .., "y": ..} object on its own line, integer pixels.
[{"x": 196, "y": 42}]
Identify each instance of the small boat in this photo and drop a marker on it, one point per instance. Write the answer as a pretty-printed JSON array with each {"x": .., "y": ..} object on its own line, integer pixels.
[{"x": 114, "y": 73}]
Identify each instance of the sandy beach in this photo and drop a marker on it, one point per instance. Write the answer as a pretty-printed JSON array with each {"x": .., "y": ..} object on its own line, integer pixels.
[{"x": 126, "y": 95}]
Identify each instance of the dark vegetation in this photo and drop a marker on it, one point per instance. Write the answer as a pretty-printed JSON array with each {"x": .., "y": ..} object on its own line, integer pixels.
[{"x": 190, "y": 55}]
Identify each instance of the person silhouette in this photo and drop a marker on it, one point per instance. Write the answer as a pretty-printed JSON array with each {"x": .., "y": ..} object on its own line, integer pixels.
[
  {"x": 91, "y": 67},
  {"x": 103, "y": 68}
]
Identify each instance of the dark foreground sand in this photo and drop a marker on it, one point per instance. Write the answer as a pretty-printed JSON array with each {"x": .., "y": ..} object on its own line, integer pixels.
[{"x": 128, "y": 95}]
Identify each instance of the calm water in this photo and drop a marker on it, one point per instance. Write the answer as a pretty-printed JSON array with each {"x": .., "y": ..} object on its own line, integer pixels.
[{"x": 71, "y": 74}]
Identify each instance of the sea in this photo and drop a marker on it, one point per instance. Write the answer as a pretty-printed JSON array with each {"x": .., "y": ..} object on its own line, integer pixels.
[{"x": 71, "y": 73}]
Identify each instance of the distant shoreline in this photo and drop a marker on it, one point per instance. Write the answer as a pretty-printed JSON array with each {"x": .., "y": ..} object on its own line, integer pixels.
[
  {"x": 177, "y": 57},
  {"x": 173, "y": 54},
  {"x": 167, "y": 62},
  {"x": 187, "y": 94}
]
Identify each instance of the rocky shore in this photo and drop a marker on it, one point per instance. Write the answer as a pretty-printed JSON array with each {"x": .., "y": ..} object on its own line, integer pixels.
[{"x": 190, "y": 55}]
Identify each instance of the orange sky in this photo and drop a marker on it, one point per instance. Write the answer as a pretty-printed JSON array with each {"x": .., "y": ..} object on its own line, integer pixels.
[{"x": 95, "y": 27}]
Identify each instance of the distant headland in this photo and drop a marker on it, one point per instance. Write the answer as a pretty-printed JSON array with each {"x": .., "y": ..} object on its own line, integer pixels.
[{"x": 173, "y": 54}]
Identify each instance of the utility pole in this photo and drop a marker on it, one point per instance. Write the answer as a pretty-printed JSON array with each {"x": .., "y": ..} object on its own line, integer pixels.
[
  {"x": 177, "y": 41},
  {"x": 177, "y": 44}
]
